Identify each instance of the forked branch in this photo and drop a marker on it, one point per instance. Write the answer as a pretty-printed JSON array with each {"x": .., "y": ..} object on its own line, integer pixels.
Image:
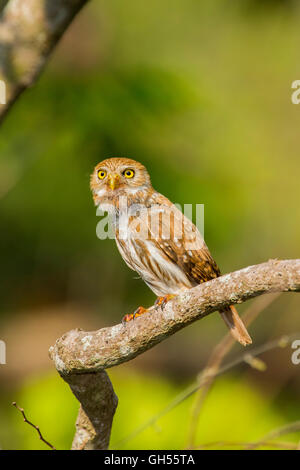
[{"x": 81, "y": 357}]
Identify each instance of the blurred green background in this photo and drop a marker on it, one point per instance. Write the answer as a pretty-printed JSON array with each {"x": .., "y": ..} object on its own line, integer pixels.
[{"x": 200, "y": 92}]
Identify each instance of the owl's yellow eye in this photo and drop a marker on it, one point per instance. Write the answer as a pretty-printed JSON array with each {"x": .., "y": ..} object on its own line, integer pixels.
[
  {"x": 129, "y": 173},
  {"x": 101, "y": 174}
]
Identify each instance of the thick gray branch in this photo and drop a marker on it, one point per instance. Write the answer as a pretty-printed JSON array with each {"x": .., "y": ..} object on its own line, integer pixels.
[
  {"x": 81, "y": 357},
  {"x": 98, "y": 405},
  {"x": 81, "y": 352},
  {"x": 29, "y": 30}
]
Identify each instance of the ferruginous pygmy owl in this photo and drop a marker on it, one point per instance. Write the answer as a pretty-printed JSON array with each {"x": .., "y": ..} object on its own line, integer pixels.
[{"x": 154, "y": 237}]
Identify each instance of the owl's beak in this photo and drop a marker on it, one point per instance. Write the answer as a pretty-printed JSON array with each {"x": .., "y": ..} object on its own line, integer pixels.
[{"x": 113, "y": 181}]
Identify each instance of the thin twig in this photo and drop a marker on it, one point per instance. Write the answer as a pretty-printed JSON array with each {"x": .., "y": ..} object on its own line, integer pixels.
[
  {"x": 247, "y": 445},
  {"x": 286, "y": 429},
  {"x": 33, "y": 425},
  {"x": 206, "y": 378},
  {"x": 189, "y": 391}
]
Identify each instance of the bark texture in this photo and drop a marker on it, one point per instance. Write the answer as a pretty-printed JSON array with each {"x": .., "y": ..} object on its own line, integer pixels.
[
  {"x": 29, "y": 31},
  {"x": 98, "y": 404},
  {"x": 79, "y": 352},
  {"x": 81, "y": 357}
]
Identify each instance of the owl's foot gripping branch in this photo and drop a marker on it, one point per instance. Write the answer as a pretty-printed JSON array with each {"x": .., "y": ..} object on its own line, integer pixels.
[{"x": 132, "y": 316}]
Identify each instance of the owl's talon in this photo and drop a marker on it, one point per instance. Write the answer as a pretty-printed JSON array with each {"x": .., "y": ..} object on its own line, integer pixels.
[
  {"x": 162, "y": 301},
  {"x": 131, "y": 316},
  {"x": 128, "y": 317},
  {"x": 139, "y": 311}
]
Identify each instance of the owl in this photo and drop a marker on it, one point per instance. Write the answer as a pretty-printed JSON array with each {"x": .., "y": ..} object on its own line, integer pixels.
[{"x": 154, "y": 237}]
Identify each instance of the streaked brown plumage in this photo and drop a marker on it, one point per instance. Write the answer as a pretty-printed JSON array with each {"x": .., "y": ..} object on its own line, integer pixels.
[{"x": 153, "y": 236}]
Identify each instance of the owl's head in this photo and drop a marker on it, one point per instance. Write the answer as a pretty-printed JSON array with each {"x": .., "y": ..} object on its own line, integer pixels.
[{"x": 118, "y": 176}]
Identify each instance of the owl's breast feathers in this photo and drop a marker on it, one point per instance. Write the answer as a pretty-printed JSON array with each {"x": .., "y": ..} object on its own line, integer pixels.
[{"x": 165, "y": 247}]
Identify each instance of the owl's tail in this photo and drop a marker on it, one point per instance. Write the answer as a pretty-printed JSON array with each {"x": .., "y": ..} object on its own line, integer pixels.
[{"x": 235, "y": 325}]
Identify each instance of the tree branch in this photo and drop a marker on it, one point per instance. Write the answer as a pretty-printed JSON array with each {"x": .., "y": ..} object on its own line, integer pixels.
[
  {"x": 79, "y": 352},
  {"x": 33, "y": 425},
  {"x": 209, "y": 373},
  {"x": 29, "y": 31},
  {"x": 98, "y": 405},
  {"x": 81, "y": 357}
]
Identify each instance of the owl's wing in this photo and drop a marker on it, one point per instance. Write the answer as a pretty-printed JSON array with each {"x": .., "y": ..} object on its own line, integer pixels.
[{"x": 182, "y": 243}]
